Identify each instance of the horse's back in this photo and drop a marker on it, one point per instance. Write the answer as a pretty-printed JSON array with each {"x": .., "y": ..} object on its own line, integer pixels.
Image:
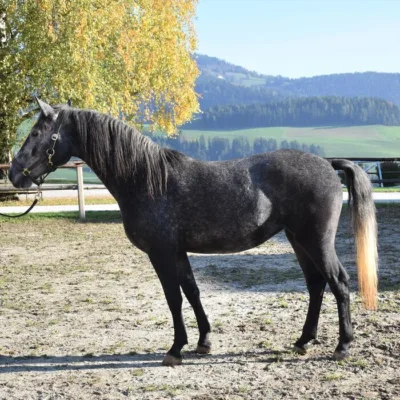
[{"x": 279, "y": 175}]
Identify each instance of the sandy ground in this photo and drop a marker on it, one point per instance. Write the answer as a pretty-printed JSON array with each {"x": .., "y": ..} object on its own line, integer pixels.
[{"x": 83, "y": 316}]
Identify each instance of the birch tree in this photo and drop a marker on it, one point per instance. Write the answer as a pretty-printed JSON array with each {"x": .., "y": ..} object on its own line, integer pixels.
[{"x": 129, "y": 58}]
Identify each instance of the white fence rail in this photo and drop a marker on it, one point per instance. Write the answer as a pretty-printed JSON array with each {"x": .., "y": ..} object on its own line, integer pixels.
[{"x": 79, "y": 186}]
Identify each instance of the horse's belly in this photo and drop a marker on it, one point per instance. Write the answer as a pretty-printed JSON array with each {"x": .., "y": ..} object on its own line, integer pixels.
[{"x": 230, "y": 241}]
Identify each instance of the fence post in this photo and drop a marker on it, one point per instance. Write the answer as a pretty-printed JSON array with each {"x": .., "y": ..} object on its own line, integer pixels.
[
  {"x": 81, "y": 196},
  {"x": 379, "y": 168}
]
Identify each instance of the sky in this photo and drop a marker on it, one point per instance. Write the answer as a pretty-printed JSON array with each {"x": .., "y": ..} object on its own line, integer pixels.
[{"x": 296, "y": 38}]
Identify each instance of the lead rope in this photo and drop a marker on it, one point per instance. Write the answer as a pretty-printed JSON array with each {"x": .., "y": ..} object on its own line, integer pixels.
[{"x": 35, "y": 201}]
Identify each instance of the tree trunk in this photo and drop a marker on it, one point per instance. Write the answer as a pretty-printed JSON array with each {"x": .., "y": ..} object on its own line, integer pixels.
[
  {"x": 3, "y": 38},
  {"x": 5, "y": 138}
]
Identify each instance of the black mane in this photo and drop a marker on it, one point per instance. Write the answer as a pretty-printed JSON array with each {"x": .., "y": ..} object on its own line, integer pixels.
[{"x": 113, "y": 146}]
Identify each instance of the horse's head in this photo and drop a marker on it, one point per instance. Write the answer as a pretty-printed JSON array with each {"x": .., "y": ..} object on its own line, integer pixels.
[{"x": 47, "y": 147}]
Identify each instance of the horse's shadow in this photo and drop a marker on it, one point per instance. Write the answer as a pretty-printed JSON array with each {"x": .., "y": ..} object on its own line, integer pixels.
[
  {"x": 264, "y": 272},
  {"x": 272, "y": 273},
  {"x": 138, "y": 361}
]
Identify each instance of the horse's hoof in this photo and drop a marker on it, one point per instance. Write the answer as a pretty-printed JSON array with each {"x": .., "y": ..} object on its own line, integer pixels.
[
  {"x": 340, "y": 355},
  {"x": 171, "y": 361},
  {"x": 299, "y": 350},
  {"x": 203, "y": 349}
]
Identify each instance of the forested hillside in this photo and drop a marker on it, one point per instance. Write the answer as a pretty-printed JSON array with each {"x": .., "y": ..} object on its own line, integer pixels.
[
  {"x": 222, "y": 83},
  {"x": 308, "y": 111}
]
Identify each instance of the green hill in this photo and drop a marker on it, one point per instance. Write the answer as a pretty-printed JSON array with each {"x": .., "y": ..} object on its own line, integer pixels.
[{"x": 354, "y": 141}]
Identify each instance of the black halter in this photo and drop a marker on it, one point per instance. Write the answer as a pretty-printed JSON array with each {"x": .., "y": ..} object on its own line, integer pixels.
[
  {"x": 50, "y": 167},
  {"x": 38, "y": 181}
]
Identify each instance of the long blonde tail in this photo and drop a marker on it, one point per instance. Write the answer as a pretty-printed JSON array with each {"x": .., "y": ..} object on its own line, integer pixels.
[{"x": 363, "y": 215}]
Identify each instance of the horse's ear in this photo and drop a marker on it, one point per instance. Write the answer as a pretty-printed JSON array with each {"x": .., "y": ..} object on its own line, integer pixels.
[
  {"x": 47, "y": 109},
  {"x": 69, "y": 102}
]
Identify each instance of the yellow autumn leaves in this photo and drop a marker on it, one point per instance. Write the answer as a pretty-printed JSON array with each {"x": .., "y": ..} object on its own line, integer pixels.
[{"x": 123, "y": 57}]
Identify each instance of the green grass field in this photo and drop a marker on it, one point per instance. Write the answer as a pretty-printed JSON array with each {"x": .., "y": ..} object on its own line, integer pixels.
[
  {"x": 349, "y": 141},
  {"x": 69, "y": 175},
  {"x": 245, "y": 79}
]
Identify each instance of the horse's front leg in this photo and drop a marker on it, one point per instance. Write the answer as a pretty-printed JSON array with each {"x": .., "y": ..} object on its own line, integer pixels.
[{"x": 165, "y": 264}]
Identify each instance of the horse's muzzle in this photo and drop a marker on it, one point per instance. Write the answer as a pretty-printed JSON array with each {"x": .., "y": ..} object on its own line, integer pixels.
[{"x": 18, "y": 179}]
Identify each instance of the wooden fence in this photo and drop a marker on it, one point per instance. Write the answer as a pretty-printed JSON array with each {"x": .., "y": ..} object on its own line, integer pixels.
[{"x": 78, "y": 166}]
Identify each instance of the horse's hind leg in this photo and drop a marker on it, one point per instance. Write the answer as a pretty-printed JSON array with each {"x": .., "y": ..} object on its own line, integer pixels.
[
  {"x": 192, "y": 293},
  {"x": 321, "y": 251},
  {"x": 339, "y": 285},
  {"x": 165, "y": 264},
  {"x": 316, "y": 287}
]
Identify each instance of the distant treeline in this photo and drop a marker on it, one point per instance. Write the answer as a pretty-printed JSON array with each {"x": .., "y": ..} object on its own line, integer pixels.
[
  {"x": 217, "y": 148},
  {"x": 308, "y": 111}
]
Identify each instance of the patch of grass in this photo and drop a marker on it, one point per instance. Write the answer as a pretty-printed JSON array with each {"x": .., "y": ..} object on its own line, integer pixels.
[
  {"x": 334, "y": 376},
  {"x": 361, "y": 363},
  {"x": 243, "y": 389},
  {"x": 283, "y": 303},
  {"x": 150, "y": 388},
  {"x": 191, "y": 323},
  {"x": 91, "y": 217},
  {"x": 3, "y": 282},
  {"x": 113, "y": 308},
  {"x": 47, "y": 288},
  {"x": 265, "y": 344},
  {"x": 386, "y": 189},
  {"x": 388, "y": 305},
  {"x": 160, "y": 322},
  {"x": 138, "y": 372},
  {"x": 115, "y": 347},
  {"x": 218, "y": 326},
  {"x": 59, "y": 201}
]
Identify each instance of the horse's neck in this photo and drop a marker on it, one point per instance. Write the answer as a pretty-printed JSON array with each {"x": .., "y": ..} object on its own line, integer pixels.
[{"x": 133, "y": 179}]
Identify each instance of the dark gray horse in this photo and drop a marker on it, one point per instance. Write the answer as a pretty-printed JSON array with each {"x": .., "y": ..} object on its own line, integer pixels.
[{"x": 172, "y": 204}]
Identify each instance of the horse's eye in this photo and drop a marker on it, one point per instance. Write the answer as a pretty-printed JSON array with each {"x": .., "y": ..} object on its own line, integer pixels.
[{"x": 35, "y": 133}]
